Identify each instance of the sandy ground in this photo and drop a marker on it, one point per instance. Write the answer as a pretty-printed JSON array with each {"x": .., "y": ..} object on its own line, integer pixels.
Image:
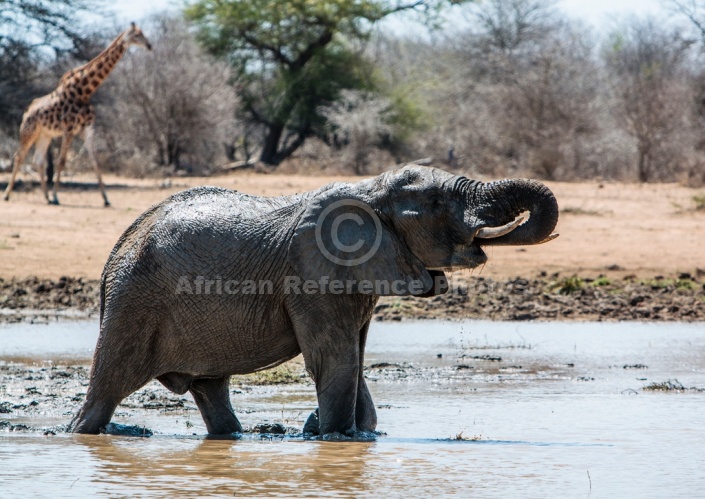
[{"x": 611, "y": 229}]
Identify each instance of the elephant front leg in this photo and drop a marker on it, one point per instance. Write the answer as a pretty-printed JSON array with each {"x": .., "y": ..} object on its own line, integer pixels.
[
  {"x": 337, "y": 396},
  {"x": 333, "y": 364},
  {"x": 332, "y": 341},
  {"x": 365, "y": 413}
]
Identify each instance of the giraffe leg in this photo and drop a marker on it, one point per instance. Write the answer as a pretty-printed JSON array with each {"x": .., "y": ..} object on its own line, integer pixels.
[
  {"x": 40, "y": 153},
  {"x": 65, "y": 144},
  {"x": 89, "y": 143},
  {"x": 26, "y": 142}
]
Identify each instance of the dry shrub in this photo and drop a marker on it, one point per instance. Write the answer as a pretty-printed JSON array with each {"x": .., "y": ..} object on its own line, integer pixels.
[
  {"x": 8, "y": 146},
  {"x": 357, "y": 123},
  {"x": 172, "y": 109},
  {"x": 693, "y": 170},
  {"x": 317, "y": 158},
  {"x": 522, "y": 91}
]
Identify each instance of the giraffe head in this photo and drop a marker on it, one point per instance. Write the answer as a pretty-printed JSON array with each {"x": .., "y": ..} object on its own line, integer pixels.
[{"x": 134, "y": 36}]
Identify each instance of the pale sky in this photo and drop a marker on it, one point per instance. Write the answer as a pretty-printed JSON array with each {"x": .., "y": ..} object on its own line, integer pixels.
[
  {"x": 604, "y": 12},
  {"x": 598, "y": 13}
]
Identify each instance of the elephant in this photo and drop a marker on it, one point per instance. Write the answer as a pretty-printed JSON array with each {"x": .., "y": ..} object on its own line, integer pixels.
[{"x": 212, "y": 282}]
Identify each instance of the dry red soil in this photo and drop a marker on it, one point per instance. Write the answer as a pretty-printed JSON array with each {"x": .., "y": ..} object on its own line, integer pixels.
[{"x": 612, "y": 229}]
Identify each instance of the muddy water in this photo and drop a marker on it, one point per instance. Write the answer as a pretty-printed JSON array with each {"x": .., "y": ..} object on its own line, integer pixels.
[{"x": 550, "y": 409}]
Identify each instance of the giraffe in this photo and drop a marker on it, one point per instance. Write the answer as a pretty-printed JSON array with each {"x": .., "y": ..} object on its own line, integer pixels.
[{"x": 67, "y": 112}]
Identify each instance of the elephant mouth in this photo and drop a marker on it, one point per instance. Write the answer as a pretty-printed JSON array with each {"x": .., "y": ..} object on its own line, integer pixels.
[
  {"x": 469, "y": 255},
  {"x": 498, "y": 235}
]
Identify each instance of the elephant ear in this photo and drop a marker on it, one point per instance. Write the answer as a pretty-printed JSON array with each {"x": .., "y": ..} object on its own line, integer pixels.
[{"x": 342, "y": 244}]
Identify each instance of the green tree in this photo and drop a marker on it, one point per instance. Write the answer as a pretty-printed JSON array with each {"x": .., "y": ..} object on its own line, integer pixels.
[{"x": 294, "y": 57}]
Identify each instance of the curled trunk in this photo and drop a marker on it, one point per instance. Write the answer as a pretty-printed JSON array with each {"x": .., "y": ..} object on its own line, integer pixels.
[{"x": 505, "y": 200}]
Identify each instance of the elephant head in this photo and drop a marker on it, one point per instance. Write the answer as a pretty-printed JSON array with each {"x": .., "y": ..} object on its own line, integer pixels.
[{"x": 409, "y": 225}]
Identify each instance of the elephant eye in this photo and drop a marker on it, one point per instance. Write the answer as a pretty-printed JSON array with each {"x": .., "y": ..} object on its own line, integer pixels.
[{"x": 435, "y": 200}]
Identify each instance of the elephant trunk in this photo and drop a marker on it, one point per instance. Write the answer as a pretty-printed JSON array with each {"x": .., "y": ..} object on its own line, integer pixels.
[{"x": 503, "y": 201}]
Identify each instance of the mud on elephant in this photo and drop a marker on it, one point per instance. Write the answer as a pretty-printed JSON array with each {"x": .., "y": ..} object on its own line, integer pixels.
[{"x": 212, "y": 282}]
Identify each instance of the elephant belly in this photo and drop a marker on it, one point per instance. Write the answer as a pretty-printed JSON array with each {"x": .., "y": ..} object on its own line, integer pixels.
[
  {"x": 260, "y": 356},
  {"x": 235, "y": 344}
]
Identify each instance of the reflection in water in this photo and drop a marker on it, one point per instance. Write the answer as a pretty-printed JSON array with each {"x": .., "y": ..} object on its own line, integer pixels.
[
  {"x": 171, "y": 467},
  {"x": 244, "y": 467},
  {"x": 280, "y": 467}
]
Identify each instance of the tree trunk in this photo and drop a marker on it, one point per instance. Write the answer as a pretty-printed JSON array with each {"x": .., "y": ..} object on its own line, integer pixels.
[
  {"x": 173, "y": 153},
  {"x": 270, "y": 149},
  {"x": 643, "y": 165}
]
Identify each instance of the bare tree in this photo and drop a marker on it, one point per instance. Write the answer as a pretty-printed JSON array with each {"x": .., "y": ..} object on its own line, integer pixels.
[
  {"x": 357, "y": 123},
  {"x": 173, "y": 104},
  {"x": 692, "y": 10},
  {"x": 653, "y": 94},
  {"x": 528, "y": 84},
  {"x": 512, "y": 27},
  {"x": 550, "y": 104},
  {"x": 523, "y": 91},
  {"x": 694, "y": 164}
]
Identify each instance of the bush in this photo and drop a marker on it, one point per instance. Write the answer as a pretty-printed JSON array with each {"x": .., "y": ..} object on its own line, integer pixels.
[{"x": 172, "y": 109}]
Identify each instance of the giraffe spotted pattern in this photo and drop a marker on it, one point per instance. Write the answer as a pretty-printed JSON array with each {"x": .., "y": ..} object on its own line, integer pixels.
[{"x": 67, "y": 112}]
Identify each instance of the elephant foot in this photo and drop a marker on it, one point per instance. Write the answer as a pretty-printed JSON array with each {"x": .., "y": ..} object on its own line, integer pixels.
[
  {"x": 221, "y": 423},
  {"x": 312, "y": 427},
  {"x": 351, "y": 436},
  {"x": 229, "y": 436}
]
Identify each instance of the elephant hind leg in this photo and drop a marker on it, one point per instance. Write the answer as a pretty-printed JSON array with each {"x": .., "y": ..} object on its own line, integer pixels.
[
  {"x": 96, "y": 412},
  {"x": 212, "y": 396},
  {"x": 109, "y": 385},
  {"x": 103, "y": 397}
]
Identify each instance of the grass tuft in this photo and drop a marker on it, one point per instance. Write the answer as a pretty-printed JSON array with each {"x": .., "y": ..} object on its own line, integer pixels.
[
  {"x": 461, "y": 437},
  {"x": 699, "y": 202},
  {"x": 280, "y": 375},
  {"x": 569, "y": 285},
  {"x": 602, "y": 281},
  {"x": 671, "y": 385}
]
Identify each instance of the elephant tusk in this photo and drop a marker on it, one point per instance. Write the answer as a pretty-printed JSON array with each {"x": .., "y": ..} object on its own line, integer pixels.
[
  {"x": 549, "y": 238},
  {"x": 495, "y": 232}
]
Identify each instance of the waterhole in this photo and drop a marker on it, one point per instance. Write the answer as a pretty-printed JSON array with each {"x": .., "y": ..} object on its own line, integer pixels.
[{"x": 472, "y": 409}]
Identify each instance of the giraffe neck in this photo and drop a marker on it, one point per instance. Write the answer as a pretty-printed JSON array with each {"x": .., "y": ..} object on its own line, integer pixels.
[{"x": 85, "y": 80}]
